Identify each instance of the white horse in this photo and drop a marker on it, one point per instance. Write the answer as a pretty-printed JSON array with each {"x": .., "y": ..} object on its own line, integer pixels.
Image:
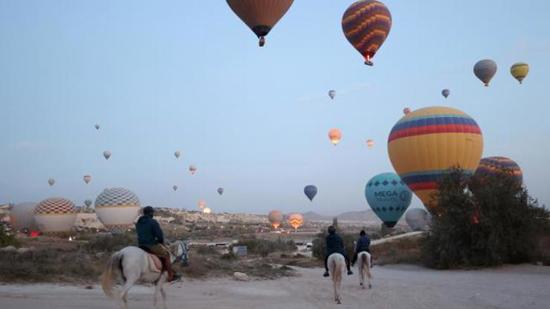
[
  {"x": 363, "y": 260},
  {"x": 133, "y": 264},
  {"x": 336, "y": 264}
]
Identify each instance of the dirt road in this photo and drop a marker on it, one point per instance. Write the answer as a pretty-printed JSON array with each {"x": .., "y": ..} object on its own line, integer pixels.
[{"x": 401, "y": 286}]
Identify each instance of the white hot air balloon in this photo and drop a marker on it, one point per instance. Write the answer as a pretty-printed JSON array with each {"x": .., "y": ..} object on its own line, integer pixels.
[
  {"x": 55, "y": 215},
  {"x": 192, "y": 169},
  {"x": 117, "y": 208},
  {"x": 87, "y": 178},
  {"x": 22, "y": 216},
  {"x": 51, "y": 182},
  {"x": 107, "y": 154},
  {"x": 418, "y": 219}
]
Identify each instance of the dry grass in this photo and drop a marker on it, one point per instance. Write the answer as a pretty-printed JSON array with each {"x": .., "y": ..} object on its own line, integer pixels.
[{"x": 403, "y": 250}]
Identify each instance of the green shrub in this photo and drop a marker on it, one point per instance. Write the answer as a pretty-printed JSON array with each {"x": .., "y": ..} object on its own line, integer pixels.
[
  {"x": 111, "y": 243},
  {"x": 264, "y": 247},
  {"x": 319, "y": 244},
  {"x": 6, "y": 239}
]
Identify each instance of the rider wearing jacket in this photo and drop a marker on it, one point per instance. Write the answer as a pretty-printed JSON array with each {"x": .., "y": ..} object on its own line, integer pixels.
[
  {"x": 363, "y": 244},
  {"x": 335, "y": 244}
]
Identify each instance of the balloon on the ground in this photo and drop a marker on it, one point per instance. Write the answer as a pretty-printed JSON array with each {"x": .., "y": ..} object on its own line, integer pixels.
[
  {"x": 418, "y": 219},
  {"x": 260, "y": 15},
  {"x": 499, "y": 166},
  {"x": 96, "y": 127},
  {"x": 485, "y": 70},
  {"x": 87, "y": 179},
  {"x": 192, "y": 169},
  {"x": 370, "y": 143},
  {"x": 202, "y": 204},
  {"x": 51, "y": 182},
  {"x": 174, "y": 187},
  {"x": 88, "y": 203},
  {"x": 206, "y": 210},
  {"x": 275, "y": 217},
  {"x": 55, "y": 215},
  {"x": 177, "y": 154},
  {"x": 117, "y": 208},
  {"x": 220, "y": 191},
  {"x": 519, "y": 71},
  {"x": 406, "y": 110},
  {"x": 22, "y": 216},
  {"x": 335, "y": 135},
  {"x": 310, "y": 191},
  {"x": 426, "y": 143},
  {"x": 445, "y": 92},
  {"x": 332, "y": 94},
  {"x": 107, "y": 154},
  {"x": 295, "y": 220},
  {"x": 388, "y": 196},
  {"x": 366, "y": 25}
]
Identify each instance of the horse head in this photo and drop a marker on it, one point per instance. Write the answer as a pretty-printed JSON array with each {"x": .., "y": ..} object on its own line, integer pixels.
[{"x": 179, "y": 251}]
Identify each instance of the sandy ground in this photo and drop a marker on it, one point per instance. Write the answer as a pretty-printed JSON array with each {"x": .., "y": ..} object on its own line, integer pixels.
[{"x": 400, "y": 286}]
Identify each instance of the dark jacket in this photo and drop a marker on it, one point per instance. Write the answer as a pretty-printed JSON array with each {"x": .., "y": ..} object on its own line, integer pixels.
[
  {"x": 149, "y": 232},
  {"x": 334, "y": 244},
  {"x": 363, "y": 244}
]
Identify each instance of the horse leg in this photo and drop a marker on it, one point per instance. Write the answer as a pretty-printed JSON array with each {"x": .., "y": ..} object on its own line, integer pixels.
[
  {"x": 163, "y": 295},
  {"x": 130, "y": 281},
  {"x": 159, "y": 290}
]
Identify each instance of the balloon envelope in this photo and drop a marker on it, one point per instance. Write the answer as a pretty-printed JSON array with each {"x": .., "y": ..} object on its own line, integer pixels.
[
  {"x": 51, "y": 181},
  {"x": 107, "y": 154},
  {"x": 88, "y": 203},
  {"x": 295, "y": 220},
  {"x": 220, "y": 191},
  {"x": 370, "y": 143},
  {"x": 499, "y": 166},
  {"x": 117, "y": 208},
  {"x": 519, "y": 71},
  {"x": 206, "y": 210},
  {"x": 87, "y": 178},
  {"x": 202, "y": 204},
  {"x": 445, "y": 92},
  {"x": 366, "y": 25},
  {"x": 418, "y": 219},
  {"x": 335, "y": 135},
  {"x": 22, "y": 216},
  {"x": 174, "y": 187},
  {"x": 275, "y": 217},
  {"x": 406, "y": 110},
  {"x": 260, "y": 15},
  {"x": 192, "y": 169},
  {"x": 485, "y": 70},
  {"x": 96, "y": 127},
  {"x": 55, "y": 215},
  {"x": 177, "y": 154},
  {"x": 332, "y": 94},
  {"x": 388, "y": 196},
  {"x": 310, "y": 191},
  {"x": 425, "y": 143}
]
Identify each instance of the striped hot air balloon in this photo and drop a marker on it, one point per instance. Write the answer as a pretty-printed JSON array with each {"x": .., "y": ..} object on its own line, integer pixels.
[
  {"x": 425, "y": 143},
  {"x": 295, "y": 220},
  {"x": 117, "y": 208},
  {"x": 366, "y": 25},
  {"x": 499, "y": 166},
  {"x": 55, "y": 215}
]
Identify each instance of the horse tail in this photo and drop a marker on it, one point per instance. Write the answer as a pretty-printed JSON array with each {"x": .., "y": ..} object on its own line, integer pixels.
[
  {"x": 366, "y": 263},
  {"x": 337, "y": 269},
  {"x": 112, "y": 267}
]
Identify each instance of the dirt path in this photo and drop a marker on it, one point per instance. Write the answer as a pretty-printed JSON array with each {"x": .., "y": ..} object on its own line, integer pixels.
[{"x": 403, "y": 286}]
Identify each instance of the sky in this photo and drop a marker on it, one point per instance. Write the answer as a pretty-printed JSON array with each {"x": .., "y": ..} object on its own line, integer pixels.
[{"x": 161, "y": 76}]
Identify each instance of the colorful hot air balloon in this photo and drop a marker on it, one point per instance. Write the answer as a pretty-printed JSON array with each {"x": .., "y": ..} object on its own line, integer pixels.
[
  {"x": 310, "y": 191},
  {"x": 177, "y": 154},
  {"x": 51, "y": 182},
  {"x": 260, "y": 15},
  {"x": 445, "y": 92},
  {"x": 370, "y": 143},
  {"x": 388, "y": 196},
  {"x": 295, "y": 220},
  {"x": 499, "y": 166},
  {"x": 485, "y": 70},
  {"x": 418, "y": 219},
  {"x": 55, "y": 215},
  {"x": 220, "y": 191},
  {"x": 174, "y": 187},
  {"x": 96, "y": 127},
  {"x": 117, "y": 209},
  {"x": 519, "y": 71},
  {"x": 332, "y": 93},
  {"x": 206, "y": 210},
  {"x": 406, "y": 110},
  {"x": 192, "y": 169},
  {"x": 107, "y": 154},
  {"x": 335, "y": 135},
  {"x": 425, "y": 143},
  {"x": 202, "y": 204},
  {"x": 275, "y": 217},
  {"x": 88, "y": 203},
  {"x": 87, "y": 178},
  {"x": 366, "y": 24},
  {"x": 22, "y": 216}
]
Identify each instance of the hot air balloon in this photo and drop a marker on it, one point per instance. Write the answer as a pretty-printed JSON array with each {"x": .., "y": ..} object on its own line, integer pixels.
[
  {"x": 519, "y": 71},
  {"x": 22, "y": 216},
  {"x": 51, "y": 181},
  {"x": 425, "y": 143},
  {"x": 275, "y": 217},
  {"x": 485, "y": 70},
  {"x": 96, "y": 127},
  {"x": 310, "y": 191},
  {"x": 177, "y": 154},
  {"x": 260, "y": 15},
  {"x": 499, "y": 166},
  {"x": 107, "y": 154},
  {"x": 55, "y": 215},
  {"x": 87, "y": 178},
  {"x": 335, "y": 135},
  {"x": 445, "y": 92},
  {"x": 192, "y": 169},
  {"x": 295, "y": 220},
  {"x": 206, "y": 210},
  {"x": 117, "y": 209},
  {"x": 220, "y": 191},
  {"x": 370, "y": 143},
  {"x": 202, "y": 204},
  {"x": 332, "y": 93},
  {"x": 174, "y": 187},
  {"x": 88, "y": 203},
  {"x": 366, "y": 24},
  {"x": 388, "y": 196},
  {"x": 406, "y": 110},
  {"x": 418, "y": 219}
]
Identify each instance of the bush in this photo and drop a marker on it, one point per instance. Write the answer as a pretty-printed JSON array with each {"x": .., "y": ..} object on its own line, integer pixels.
[
  {"x": 6, "y": 239},
  {"x": 487, "y": 221},
  {"x": 264, "y": 247},
  {"x": 111, "y": 242},
  {"x": 319, "y": 244}
]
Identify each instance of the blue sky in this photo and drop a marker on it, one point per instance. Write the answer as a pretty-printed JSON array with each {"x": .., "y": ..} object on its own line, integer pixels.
[{"x": 160, "y": 76}]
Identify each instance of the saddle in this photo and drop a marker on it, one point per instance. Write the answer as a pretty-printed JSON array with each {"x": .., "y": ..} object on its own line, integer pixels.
[{"x": 155, "y": 265}]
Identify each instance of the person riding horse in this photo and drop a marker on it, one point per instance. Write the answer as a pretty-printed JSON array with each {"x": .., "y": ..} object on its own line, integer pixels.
[
  {"x": 363, "y": 244},
  {"x": 335, "y": 244},
  {"x": 151, "y": 240}
]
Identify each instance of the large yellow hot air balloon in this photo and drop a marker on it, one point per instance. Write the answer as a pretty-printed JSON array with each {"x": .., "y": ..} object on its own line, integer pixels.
[
  {"x": 519, "y": 71},
  {"x": 425, "y": 143},
  {"x": 335, "y": 135},
  {"x": 295, "y": 220}
]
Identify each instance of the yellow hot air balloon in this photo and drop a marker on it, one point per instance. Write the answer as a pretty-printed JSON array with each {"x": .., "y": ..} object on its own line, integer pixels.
[
  {"x": 335, "y": 135},
  {"x": 295, "y": 220},
  {"x": 519, "y": 71},
  {"x": 425, "y": 143}
]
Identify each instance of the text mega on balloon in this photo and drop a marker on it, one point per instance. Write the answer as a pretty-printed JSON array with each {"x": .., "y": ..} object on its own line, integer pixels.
[
  {"x": 117, "y": 208},
  {"x": 388, "y": 196},
  {"x": 424, "y": 144}
]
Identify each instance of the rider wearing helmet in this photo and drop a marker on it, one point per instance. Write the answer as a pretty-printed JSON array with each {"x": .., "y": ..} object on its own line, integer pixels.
[
  {"x": 151, "y": 240},
  {"x": 335, "y": 244}
]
